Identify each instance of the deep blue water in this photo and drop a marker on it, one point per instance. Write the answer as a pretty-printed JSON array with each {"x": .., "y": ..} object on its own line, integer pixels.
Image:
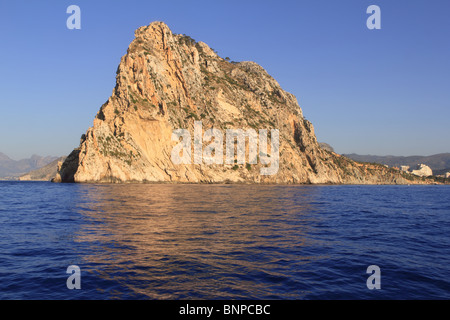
[{"x": 223, "y": 241}]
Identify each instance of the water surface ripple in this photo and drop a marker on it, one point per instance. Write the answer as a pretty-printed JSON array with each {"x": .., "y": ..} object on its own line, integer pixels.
[{"x": 165, "y": 241}]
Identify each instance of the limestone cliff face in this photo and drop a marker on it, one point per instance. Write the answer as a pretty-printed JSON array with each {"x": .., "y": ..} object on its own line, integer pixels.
[
  {"x": 422, "y": 171},
  {"x": 166, "y": 82}
]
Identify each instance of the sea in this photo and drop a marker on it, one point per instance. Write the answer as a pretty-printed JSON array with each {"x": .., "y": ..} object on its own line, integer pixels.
[{"x": 210, "y": 242}]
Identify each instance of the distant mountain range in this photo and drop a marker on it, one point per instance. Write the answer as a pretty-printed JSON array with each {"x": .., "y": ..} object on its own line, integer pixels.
[
  {"x": 45, "y": 173},
  {"x": 10, "y": 168},
  {"x": 44, "y": 168},
  {"x": 439, "y": 163}
]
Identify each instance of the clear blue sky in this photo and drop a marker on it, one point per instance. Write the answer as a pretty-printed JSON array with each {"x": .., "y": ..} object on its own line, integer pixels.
[{"x": 366, "y": 91}]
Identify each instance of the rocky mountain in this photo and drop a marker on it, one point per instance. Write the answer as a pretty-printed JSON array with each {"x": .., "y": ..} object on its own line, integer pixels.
[
  {"x": 4, "y": 157},
  {"x": 326, "y": 146},
  {"x": 45, "y": 173},
  {"x": 10, "y": 168},
  {"x": 439, "y": 163},
  {"x": 167, "y": 82},
  {"x": 422, "y": 170}
]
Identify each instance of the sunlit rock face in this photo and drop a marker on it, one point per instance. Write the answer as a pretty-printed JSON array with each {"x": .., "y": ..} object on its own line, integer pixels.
[
  {"x": 167, "y": 82},
  {"x": 422, "y": 170}
]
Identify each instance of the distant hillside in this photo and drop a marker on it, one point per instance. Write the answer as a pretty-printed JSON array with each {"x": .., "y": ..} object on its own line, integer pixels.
[
  {"x": 326, "y": 146},
  {"x": 439, "y": 163},
  {"x": 45, "y": 173},
  {"x": 14, "y": 168}
]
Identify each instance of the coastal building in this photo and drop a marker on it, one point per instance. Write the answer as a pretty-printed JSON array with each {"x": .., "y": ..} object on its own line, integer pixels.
[{"x": 404, "y": 168}]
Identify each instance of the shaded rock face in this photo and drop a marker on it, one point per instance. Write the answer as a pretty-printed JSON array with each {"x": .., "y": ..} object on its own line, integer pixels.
[{"x": 166, "y": 82}]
